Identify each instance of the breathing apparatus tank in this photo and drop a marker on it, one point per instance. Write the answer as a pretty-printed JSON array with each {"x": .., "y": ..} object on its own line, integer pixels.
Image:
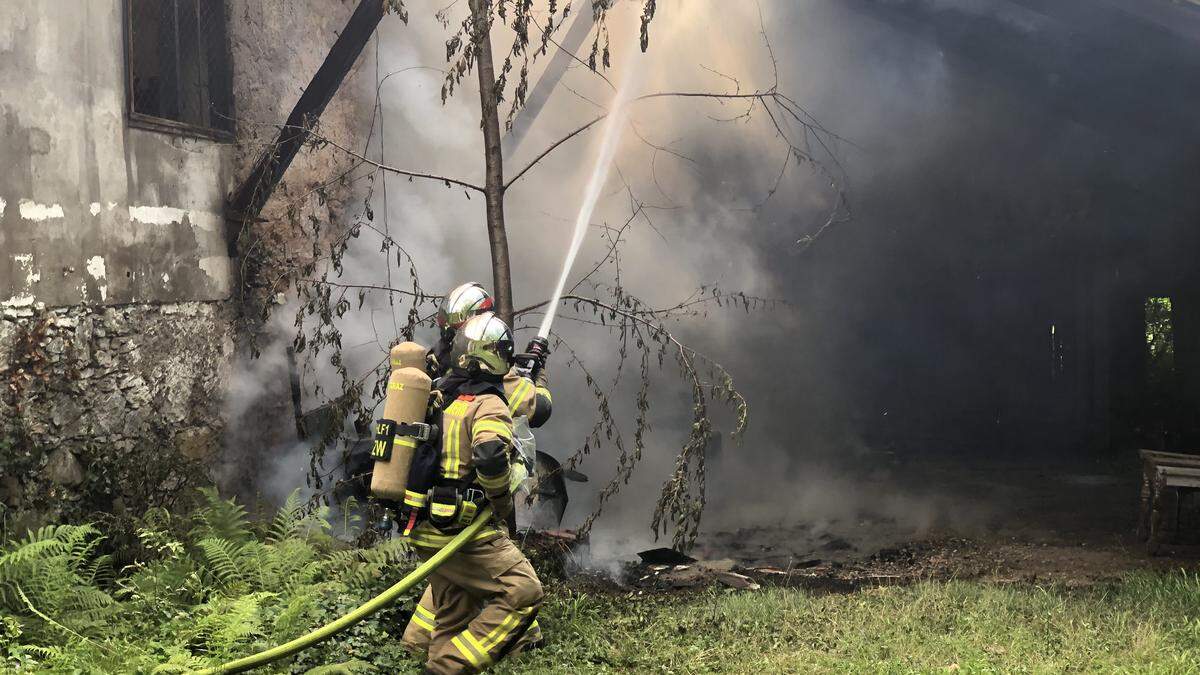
[
  {"x": 407, "y": 355},
  {"x": 403, "y": 426}
]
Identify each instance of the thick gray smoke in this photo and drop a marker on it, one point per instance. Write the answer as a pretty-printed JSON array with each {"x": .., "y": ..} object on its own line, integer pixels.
[{"x": 913, "y": 335}]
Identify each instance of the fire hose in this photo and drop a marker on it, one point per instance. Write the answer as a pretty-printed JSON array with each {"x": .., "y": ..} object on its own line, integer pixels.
[{"x": 363, "y": 611}]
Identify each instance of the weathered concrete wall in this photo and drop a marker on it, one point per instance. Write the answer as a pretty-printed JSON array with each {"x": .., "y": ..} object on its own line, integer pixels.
[
  {"x": 92, "y": 210},
  {"x": 287, "y": 40},
  {"x": 117, "y": 303},
  {"x": 114, "y": 344},
  {"x": 277, "y": 46}
]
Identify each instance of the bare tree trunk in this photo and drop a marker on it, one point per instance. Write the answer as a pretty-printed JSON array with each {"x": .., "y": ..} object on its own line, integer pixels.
[{"x": 494, "y": 164}]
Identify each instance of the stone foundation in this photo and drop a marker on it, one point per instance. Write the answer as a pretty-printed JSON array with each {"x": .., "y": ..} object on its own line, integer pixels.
[{"x": 105, "y": 401}]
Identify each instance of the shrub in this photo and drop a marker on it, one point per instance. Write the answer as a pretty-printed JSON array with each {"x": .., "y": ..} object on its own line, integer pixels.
[{"x": 203, "y": 589}]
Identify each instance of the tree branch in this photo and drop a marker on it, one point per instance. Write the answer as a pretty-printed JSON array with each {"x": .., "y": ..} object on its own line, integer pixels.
[
  {"x": 322, "y": 140},
  {"x": 764, "y": 97},
  {"x": 371, "y": 287},
  {"x": 551, "y": 149}
]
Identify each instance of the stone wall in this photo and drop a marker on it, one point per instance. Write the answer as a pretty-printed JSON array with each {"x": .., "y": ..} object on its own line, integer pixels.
[
  {"x": 285, "y": 41},
  {"x": 121, "y": 323},
  {"x": 109, "y": 408}
]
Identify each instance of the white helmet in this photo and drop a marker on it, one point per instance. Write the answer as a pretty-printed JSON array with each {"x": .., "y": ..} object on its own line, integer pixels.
[
  {"x": 485, "y": 343},
  {"x": 461, "y": 304}
]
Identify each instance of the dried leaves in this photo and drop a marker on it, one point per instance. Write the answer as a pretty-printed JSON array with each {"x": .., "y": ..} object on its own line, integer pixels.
[
  {"x": 635, "y": 325},
  {"x": 531, "y": 41},
  {"x": 28, "y": 360},
  {"x": 647, "y": 16},
  {"x": 396, "y": 7}
]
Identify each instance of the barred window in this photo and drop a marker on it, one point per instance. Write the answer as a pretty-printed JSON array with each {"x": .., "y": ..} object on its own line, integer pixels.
[{"x": 178, "y": 66}]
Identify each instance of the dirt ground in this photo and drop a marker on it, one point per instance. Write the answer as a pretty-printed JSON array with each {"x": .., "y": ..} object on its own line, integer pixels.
[{"x": 1070, "y": 524}]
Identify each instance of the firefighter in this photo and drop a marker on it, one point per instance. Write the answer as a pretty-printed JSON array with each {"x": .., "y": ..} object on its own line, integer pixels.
[
  {"x": 486, "y": 597},
  {"x": 525, "y": 397},
  {"x": 528, "y": 397}
]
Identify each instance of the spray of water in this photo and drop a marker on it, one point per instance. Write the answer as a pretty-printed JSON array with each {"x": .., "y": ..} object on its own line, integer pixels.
[{"x": 614, "y": 124}]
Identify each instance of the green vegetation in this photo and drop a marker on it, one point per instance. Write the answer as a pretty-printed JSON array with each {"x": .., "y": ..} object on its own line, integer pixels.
[
  {"x": 216, "y": 586},
  {"x": 202, "y": 591},
  {"x": 1160, "y": 331},
  {"x": 1145, "y": 623}
]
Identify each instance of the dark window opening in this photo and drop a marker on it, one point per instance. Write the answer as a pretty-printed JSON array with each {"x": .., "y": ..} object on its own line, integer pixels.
[{"x": 180, "y": 77}]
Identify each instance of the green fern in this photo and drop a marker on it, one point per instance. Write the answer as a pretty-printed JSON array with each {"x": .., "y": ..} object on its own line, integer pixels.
[
  {"x": 219, "y": 519},
  {"x": 180, "y": 660},
  {"x": 283, "y": 565},
  {"x": 294, "y": 619},
  {"x": 295, "y": 519},
  {"x": 288, "y": 519},
  {"x": 348, "y": 668},
  {"x": 202, "y": 588},
  {"x": 43, "y": 543},
  {"x": 222, "y": 558},
  {"x": 56, "y": 569},
  {"x": 96, "y": 571},
  {"x": 161, "y": 586},
  {"x": 227, "y": 623},
  {"x": 362, "y": 567},
  {"x": 50, "y": 653},
  {"x": 83, "y": 542}
]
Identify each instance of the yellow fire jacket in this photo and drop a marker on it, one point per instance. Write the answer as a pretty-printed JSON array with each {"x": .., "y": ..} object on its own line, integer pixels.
[
  {"x": 477, "y": 434},
  {"x": 526, "y": 398}
]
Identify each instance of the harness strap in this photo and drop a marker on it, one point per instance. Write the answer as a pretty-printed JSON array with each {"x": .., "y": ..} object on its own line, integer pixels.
[{"x": 388, "y": 433}]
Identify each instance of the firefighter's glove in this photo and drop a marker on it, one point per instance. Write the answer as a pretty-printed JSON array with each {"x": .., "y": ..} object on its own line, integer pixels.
[
  {"x": 517, "y": 476},
  {"x": 539, "y": 348},
  {"x": 502, "y": 504}
]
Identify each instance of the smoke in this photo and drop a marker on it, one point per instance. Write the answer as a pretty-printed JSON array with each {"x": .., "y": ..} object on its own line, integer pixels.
[
  {"x": 979, "y": 152},
  {"x": 1010, "y": 15},
  {"x": 256, "y": 387}
]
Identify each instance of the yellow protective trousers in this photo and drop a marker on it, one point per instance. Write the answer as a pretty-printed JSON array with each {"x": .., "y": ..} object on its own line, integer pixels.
[
  {"x": 484, "y": 600},
  {"x": 419, "y": 630}
]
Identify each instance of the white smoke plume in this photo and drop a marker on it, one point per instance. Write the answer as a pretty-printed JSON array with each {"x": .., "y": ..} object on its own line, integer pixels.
[{"x": 706, "y": 168}]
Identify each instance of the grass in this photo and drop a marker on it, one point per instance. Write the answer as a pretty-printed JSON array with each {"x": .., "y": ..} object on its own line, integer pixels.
[
  {"x": 1144, "y": 623},
  {"x": 214, "y": 586}
]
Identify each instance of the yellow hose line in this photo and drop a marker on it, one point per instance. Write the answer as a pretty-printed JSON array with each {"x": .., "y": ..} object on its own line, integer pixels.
[{"x": 370, "y": 607}]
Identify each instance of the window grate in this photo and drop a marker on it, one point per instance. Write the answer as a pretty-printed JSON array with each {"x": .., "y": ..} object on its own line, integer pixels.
[{"x": 179, "y": 67}]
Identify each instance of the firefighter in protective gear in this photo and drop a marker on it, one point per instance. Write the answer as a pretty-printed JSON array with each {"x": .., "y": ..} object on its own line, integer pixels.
[
  {"x": 486, "y": 597},
  {"x": 529, "y": 397},
  {"x": 525, "y": 397}
]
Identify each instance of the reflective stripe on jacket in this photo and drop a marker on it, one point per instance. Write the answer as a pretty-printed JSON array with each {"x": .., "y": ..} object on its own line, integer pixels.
[{"x": 472, "y": 426}]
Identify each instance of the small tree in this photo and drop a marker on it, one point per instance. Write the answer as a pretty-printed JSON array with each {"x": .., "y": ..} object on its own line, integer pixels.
[{"x": 641, "y": 332}]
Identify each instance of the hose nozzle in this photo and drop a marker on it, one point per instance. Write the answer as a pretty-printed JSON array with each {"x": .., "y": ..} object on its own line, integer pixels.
[{"x": 533, "y": 360}]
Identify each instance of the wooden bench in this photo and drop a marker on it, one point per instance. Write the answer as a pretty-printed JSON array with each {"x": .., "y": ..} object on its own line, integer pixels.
[{"x": 1164, "y": 476}]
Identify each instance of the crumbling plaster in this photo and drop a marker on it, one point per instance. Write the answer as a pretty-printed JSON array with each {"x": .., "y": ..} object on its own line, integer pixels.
[
  {"x": 287, "y": 41},
  {"x": 117, "y": 310},
  {"x": 78, "y": 183}
]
